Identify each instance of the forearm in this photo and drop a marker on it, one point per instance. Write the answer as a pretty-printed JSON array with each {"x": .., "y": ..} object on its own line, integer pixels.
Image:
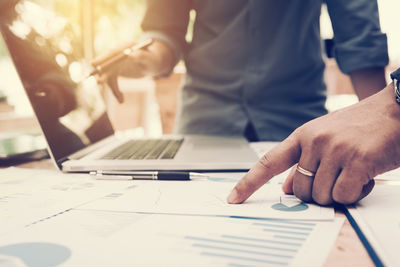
[
  {"x": 368, "y": 81},
  {"x": 164, "y": 58}
]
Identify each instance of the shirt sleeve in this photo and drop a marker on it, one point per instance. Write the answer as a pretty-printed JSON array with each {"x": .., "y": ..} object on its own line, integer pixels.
[
  {"x": 167, "y": 21},
  {"x": 359, "y": 42}
]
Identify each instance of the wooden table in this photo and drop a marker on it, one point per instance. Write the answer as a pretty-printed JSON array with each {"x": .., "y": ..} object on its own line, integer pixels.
[{"x": 347, "y": 251}]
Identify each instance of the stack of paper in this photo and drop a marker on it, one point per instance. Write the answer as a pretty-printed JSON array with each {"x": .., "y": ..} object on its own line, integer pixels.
[{"x": 49, "y": 218}]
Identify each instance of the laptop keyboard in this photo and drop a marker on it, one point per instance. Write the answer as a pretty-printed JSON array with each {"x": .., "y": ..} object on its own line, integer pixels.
[{"x": 146, "y": 149}]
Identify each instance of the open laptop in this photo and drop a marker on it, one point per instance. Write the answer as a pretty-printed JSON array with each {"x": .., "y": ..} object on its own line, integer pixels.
[{"x": 72, "y": 114}]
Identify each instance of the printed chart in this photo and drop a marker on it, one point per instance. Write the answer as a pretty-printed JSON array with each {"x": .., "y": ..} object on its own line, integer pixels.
[{"x": 131, "y": 239}]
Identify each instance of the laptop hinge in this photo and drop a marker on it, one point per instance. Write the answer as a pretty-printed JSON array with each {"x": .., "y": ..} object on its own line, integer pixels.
[{"x": 61, "y": 161}]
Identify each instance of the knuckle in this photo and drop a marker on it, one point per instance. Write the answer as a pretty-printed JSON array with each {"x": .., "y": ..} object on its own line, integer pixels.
[
  {"x": 266, "y": 162},
  {"x": 363, "y": 162},
  {"x": 338, "y": 147},
  {"x": 344, "y": 195},
  {"x": 303, "y": 197},
  {"x": 360, "y": 155},
  {"x": 319, "y": 139},
  {"x": 366, "y": 156},
  {"x": 337, "y": 150},
  {"x": 343, "y": 199},
  {"x": 304, "y": 131},
  {"x": 302, "y": 194},
  {"x": 321, "y": 199},
  {"x": 369, "y": 165},
  {"x": 297, "y": 132}
]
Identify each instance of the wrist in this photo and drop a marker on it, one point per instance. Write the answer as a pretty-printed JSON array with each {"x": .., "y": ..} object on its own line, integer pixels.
[
  {"x": 389, "y": 100},
  {"x": 163, "y": 59},
  {"x": 368, "y": 81}
]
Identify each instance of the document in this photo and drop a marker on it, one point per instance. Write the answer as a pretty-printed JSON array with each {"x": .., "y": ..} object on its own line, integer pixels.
[
  {"x": 393, "y": 176},
  {"x": 53, "y": 219},
  {"x": 378, "y": 217},
  {"x": 30, "y": 195},
  {"x": 99, "y": 238},
  {"x": 207, "y": 197}
]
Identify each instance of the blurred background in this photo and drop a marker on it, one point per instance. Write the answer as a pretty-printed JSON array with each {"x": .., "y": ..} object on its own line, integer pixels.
[{"x": 150, "y": 105}]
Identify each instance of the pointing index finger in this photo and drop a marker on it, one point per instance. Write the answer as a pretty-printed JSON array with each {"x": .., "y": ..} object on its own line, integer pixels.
[{"x": 279, "y": 159}]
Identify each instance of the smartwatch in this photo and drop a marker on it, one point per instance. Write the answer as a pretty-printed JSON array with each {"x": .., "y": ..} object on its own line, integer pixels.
[{"x": 396, "y": 84}]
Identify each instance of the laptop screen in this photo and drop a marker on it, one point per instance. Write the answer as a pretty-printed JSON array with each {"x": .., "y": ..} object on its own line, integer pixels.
[{"x": 48, "y": 58}]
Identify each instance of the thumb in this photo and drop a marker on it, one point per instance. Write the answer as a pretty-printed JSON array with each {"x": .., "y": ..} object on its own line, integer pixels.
[{"x": 112, "y": 81}]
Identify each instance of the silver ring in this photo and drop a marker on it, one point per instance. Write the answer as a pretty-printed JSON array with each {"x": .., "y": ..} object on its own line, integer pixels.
[{"x": 304, "y": 171}]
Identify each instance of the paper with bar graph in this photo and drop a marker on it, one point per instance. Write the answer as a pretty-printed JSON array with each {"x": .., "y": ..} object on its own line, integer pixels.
[{"x": 98, "y": 238}]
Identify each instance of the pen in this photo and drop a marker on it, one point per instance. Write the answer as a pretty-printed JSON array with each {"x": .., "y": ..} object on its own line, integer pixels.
[
  {"x": 147, "y": 175},
  {"x": 108, "y": 62}
]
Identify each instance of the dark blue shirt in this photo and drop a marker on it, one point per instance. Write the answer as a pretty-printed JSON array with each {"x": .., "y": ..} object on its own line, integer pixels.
[{"x": 260, "y": 61}]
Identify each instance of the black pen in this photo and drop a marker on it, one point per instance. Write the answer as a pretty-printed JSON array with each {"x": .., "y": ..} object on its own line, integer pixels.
[
  {"x": 112, "y": 60},
  {"x": 147, "y": 175}
]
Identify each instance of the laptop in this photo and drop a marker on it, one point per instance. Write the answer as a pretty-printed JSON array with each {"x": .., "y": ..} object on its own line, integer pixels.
[{"x": 72, "y": 114}]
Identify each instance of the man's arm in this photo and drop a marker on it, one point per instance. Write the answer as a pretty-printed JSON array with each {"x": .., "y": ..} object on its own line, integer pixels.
[
  {"x": 360, "y": 46},
  {"x": 367, "y": 81},
  {"x": 166, "y": 23},
  {"x": 345, "y": 150},
  {"x": 156, "y": 60}
]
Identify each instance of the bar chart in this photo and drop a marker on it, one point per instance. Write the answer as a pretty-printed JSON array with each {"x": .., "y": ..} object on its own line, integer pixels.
[
  {"x": 263, "y": 242},
  {"x": 134, "y": 239}
]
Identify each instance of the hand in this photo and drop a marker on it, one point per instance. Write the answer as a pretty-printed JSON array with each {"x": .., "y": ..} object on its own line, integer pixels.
[
  {"x": 156, "y": 59},
  {"x": 345, "y": 149}
]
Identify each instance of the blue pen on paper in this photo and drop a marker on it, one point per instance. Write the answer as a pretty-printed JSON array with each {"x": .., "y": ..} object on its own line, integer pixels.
[{"x": 147, "y": 175}]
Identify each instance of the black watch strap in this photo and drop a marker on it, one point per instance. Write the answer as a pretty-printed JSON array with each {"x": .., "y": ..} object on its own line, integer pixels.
[{"x": 396, "y": 83}]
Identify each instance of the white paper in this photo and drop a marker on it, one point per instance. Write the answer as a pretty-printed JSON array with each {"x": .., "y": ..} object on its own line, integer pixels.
[
  {"x": 198, "y": 197},
  {"x": 97, "y": 238},
  {"x": 393, "y": 175},
  {"x": 378, "y": 216},
  {"x": 30, "y": 195},
  {"x": 49, "y": 218}
]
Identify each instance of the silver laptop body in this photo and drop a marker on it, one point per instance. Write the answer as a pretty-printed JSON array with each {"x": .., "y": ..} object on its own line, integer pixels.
[{"x": 72, "y": 114}]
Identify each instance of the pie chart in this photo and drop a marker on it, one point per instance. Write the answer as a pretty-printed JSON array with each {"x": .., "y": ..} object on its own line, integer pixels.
[
  {"x": 35, "y": 254},
  {"x": 289, "y": 203},
  {"x": 283, "y": 207}
]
